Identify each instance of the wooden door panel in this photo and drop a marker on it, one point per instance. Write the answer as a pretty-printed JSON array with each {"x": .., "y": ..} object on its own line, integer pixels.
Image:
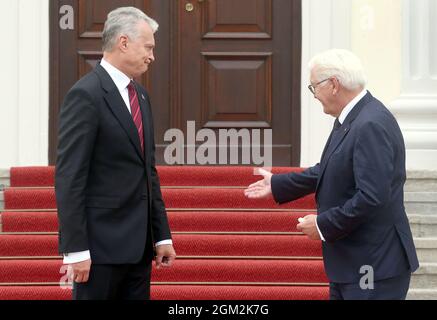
[
  {"x": 237, "y": 19},
  {"x": 87, "y": 61},
  {"x": 223, "y": 74}
]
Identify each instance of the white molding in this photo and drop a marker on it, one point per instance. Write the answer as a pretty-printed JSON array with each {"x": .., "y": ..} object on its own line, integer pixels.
[
  {"x": 9, "y": 83},
  {"x": 325, "y": 25},
  {"x": 33, "y": 80},
  {"x": 25, "y": 79}
]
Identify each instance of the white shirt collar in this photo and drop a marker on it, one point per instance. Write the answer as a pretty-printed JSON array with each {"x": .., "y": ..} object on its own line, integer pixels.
[
  {"x": 351, "y": 105},
  {"x": 120, "y": 79}
]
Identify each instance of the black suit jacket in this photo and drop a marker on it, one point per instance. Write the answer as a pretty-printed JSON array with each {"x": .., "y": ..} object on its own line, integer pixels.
[
  {"x": 359, "y": 186},
  {"x": 107, "y": 191}
]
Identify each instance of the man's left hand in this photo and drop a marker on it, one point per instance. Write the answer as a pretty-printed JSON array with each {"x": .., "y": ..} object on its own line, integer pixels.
[
  {"x": 308, "y": 226},
  {"x": 165, "y": 255}
]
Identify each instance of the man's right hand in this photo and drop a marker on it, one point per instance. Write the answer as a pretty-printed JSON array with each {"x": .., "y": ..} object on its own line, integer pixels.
[
  {"x": 79, "y": 272},
  {"x": 262, "y": 188}
]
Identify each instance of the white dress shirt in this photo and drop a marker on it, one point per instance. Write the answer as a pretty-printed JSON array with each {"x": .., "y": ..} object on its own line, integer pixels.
[
  {"x": 121, "y": 82},
  {"x": 344, "y": 113}
]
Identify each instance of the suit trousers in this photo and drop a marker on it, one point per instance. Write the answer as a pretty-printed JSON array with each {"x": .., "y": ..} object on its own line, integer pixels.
[
  {"x": 395, "y": 288},
  {"x": 118, "y": 282}
]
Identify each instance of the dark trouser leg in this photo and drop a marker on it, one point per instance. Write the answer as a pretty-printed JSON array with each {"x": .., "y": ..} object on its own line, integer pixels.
[
  {"x": 395, "y": 288},
  {"x": 102, "y": 283},
  {"x": 136, "y": 283},
  {"x": 335, "y": 292}
]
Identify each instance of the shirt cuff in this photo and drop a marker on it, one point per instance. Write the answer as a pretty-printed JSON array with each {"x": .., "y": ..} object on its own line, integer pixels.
[
  {"x": 75, "y": 257},
  {"x": 163, "y": 242},
  {"x": 320, "y": 234}
]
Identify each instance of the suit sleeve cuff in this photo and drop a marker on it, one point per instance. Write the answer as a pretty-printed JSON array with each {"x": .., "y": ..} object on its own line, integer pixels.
[{"x": 75, "y": 257}]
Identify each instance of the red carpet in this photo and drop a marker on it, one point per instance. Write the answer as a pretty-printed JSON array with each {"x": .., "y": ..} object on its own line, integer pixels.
[
  {"x": 256, "y": 271},
  {"x": 185, "y": 245},
  {"x": 25, "y": 199},
  {"x": 181, "y": 292},
  {"x": 180, "y": 221},
  {"x": 169, "y": 176},
  {"x": 228, "y": 247}
]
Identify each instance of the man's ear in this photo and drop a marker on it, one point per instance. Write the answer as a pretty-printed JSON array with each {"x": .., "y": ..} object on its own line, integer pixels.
[
  {"x": 336, "y": 85},
  {"x": 123, "y": 43}
]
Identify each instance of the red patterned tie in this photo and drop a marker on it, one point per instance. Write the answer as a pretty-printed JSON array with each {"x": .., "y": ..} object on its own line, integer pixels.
[{"x": 136, "y": 112}]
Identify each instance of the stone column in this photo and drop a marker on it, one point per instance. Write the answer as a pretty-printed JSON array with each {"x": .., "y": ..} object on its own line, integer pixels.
[{"x": 416, "y": 107}]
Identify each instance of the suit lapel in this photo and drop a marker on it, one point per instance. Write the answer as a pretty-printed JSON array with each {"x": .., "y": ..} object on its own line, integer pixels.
[
  {"x": 337, "y": 136},
  {"x": 118, "y": 107}
]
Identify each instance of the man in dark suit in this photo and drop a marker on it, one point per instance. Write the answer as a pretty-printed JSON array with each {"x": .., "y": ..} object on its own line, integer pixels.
[
  {"x": 358, "y": 185},
  {"x": 110, "y": 209}
]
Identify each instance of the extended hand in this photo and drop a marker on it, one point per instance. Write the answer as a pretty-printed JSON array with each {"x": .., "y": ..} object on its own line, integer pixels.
[
  {"x": 79, "y": 272},
  {"x": 260, "y": 189},
  {"x": 309, "y": 227},
  {"x": 165, "y": 255}
]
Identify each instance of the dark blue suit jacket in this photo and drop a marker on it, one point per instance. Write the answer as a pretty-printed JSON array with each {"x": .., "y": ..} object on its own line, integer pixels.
[{"x": 359, "y": 186}]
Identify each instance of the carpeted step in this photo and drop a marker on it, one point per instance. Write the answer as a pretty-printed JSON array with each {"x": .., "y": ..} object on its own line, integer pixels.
[
  {"x": 184, "y": 270},
  {"x": 34, "y": 293},
  {"x": 32, "y": 176},
  {"x": 180, "y": 221},
  {"x": 169, "y": 176},
  {"x": 213, "y": 176},
  {"x": 25, "y": 199},
  {"x": 182, "y": 292},
  {"x": 185, "y": 245},
  {"x": 176, "y": 292},
  {"x": 28, "y": 245},
  {"x": 18, "y": 199},
  {"x": 32, "y": 221}
]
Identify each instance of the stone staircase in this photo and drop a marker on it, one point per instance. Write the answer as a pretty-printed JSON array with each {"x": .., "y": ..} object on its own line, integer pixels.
[
  {"x": 4, "y": 182},
  {"x": 421, "y": 206}
]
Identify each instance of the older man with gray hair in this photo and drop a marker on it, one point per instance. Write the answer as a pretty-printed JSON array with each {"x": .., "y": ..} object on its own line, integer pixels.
[
  {"x": 112, "y": 217},
  {"x": 368, "y": 247}
]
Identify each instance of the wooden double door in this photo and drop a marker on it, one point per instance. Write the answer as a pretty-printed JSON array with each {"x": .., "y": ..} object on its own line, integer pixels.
[{"x": 224, "y": 64}]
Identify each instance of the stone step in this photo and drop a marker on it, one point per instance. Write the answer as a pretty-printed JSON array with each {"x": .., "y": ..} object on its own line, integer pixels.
[
  {"x": 425, "y": 277},
  {"x": 423, "y": 226},
  {"x": 426, "y": 249},
  {"x": 421, "y": 203},
  {"x": 4, "y": 178},
  {"x": 421, "y": 181},
  {"x": 2, "y": 201},
  {"x": 422, "y": 294},
  {"x": 4, "y": 183}
]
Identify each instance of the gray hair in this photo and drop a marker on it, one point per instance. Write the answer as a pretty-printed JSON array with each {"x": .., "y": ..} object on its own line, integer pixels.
[
  {"x": 121, "y": 21},
  {"x": 341, "y": 64}
]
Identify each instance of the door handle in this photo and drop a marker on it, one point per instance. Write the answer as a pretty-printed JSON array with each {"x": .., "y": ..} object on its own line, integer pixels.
[{"x": 189, "y": 7}]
